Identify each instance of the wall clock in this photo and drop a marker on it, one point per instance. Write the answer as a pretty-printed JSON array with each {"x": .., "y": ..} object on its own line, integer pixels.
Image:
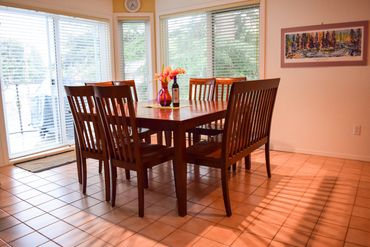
[{"x": 132, "y": 5}]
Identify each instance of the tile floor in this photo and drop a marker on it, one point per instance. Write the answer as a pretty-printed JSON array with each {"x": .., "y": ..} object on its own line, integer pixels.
[{"x": 309, "y": 201}]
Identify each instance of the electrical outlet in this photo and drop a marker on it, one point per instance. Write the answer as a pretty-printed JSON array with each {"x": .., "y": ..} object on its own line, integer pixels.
[{"x": 356, "y": 130}]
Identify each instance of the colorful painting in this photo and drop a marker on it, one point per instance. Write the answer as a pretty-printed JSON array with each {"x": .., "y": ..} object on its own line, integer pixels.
[{"x": 325, "y": 45}]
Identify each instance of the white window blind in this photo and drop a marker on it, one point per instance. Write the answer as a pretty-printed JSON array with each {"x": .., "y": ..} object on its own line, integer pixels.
[
  {"x": 84, "y": 57},
  {"x": 135, "y": 56},
  {"x": 212, "y": 44},
  {"x": 39, "y": 53}
]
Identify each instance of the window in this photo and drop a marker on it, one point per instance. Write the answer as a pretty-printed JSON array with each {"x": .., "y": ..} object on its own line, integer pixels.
[
  {"x": 39, "y": 54},
  {"x": 135, "y": 56},
  {"x": 212, "y": 44}
]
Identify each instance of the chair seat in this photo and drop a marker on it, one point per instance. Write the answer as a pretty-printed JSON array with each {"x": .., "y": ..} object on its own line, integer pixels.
[
  {"x": 209, "y": 129},
  {"x": 153, "y": 154},
  {"x": 204, "y": 151}
]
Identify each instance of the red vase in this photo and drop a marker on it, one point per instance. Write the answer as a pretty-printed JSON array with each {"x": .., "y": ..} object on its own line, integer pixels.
[{"x": 164, "y": 97}]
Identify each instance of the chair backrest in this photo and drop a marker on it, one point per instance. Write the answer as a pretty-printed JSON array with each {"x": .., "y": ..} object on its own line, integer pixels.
[
  {"x": 87, "y": 123},
  {"x": 116, "y": 109},
  {"x": 223, "y": 86},
  {"x": 201, "y": 88},
  {"x": 131, "y": 84},
  {"x": 248, "y": 118},
  {"x": 103, "y": 83}
]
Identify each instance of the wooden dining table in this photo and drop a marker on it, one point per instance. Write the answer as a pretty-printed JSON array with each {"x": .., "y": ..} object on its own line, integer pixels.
[{"x": 190, "y": 114}]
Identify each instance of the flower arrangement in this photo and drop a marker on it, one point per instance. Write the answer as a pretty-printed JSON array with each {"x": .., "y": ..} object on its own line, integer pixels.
[{"x": 167, "y": 75}]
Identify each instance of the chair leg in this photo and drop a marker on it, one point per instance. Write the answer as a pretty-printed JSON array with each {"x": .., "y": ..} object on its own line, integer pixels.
[
  {"x": 140, "y": 188},
  {"x": 234, "y": 167},
  {"x": 168, "y": 138},
  {"x": 267, "y": 156},
  {"x": 225, "y": 191},
  {"x": 247, "y": 161},
  {"x": 79, "y": 165},
  {"x": 148, "y": 139},
  {"x": 107, "y": 180},
  {"x": 100, "y": 166},
  {"x": 128, "y": 176},
  {"x": 196, "y": 137},
  {"x": 160, "y": 138},
  {"x": 84, "y": 175},
  {"x": 114, "y": 184},
  {"x": 146, "y": 183}
]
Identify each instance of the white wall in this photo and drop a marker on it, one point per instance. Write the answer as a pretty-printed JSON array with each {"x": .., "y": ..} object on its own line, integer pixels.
[
  {"x": 317, "y": 107},
  {"x": 90, "y": 8}
]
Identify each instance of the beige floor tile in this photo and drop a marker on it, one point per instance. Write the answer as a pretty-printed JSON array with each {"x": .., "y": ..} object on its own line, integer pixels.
[
  {"x": 358, "y": 237},
  {"x": 41, "y": 221},
  {"x": 222, "y": 234},
  {"x": 79, "y": 218},
  {"x": 361, "y": 212},
  {"x": 137, "y": 240},
  {"x": 8, "y": 222},
  {"x": 157, "y": 231},
  {"x": 318, "y": 241},
  {"x": 56, "y": 229},
  {"x": 292, "y": 237},
  {"x": 360, "y": 223},
  {"x": 34, "y": 239},
  {"x": 94, "y": 242},
  {"x": 29, "y": 214},
  {"x": 15, "y": 232},
  {"x": 173, "y": 219},
  {"x": 72, "y": 238},
  {"x": 115, "y": 234},
  {"x": 96, "y": 226},
  {"x": 135, "y": 223},
  {"x": 250, "y": 239},
  {"x": 180, "y": 238},
  {"x": 263, "y": 229},
  {"x": 197, "y": 226},
  {"x": 65, "y": 211},
  {"x": 330, "y": 231},
  {"x": 205, "y": 242}
]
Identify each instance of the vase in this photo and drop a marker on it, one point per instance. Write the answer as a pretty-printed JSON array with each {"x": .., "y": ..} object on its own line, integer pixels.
[{"x": 164, "y": 97}]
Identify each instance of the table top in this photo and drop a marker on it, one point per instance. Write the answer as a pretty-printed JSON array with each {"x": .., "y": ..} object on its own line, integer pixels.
[{"x": 193, "y": 110}]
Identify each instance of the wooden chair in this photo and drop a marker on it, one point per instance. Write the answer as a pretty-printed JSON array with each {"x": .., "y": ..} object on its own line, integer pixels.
[
  {"x": 247, "y": 127},
  {"x": 200, "y": 89},
  {"x": 103, "y": 84},
  {"x": 89, "y": 133},
  {"x": 143, "y": 132},
  {"x": 116, "y": 109},
  {"x": 223, "y": 86}
]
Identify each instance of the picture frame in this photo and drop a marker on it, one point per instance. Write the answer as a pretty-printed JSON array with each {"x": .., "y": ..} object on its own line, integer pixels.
[{"x": 340, "y": 44}]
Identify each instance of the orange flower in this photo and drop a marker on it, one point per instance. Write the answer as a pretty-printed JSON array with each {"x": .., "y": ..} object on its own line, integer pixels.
[{"x": 168, "y": 74}]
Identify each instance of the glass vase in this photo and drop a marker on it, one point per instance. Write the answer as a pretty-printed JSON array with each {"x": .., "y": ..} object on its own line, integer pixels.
[{"x": 164, "y": 97}]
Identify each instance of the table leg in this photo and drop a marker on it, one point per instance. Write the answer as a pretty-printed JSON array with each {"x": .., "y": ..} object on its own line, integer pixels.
[{"x": 180, "y": 170}]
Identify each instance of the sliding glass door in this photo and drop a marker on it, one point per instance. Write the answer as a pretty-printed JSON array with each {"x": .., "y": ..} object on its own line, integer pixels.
[{"x": 39, "y": 54}]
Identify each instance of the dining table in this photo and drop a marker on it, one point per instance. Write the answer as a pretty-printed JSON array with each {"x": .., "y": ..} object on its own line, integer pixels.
[{"x": 178, "y": 120}]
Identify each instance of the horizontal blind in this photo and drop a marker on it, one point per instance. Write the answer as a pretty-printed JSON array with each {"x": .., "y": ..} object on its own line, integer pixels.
[
  {"x": 187, "y": 44},
  {"x": 84, "y": 56},
  {"x": 236, "y": 43},
  {"x": 212, "y": 44},
  {"x": 29, "y": 99},
  {"x": 39, "y": 53},
  {"x": 135, "y": 56}
]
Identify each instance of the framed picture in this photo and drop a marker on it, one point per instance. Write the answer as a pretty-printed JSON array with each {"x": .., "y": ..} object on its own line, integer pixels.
[{"x": 338, "y": 44}]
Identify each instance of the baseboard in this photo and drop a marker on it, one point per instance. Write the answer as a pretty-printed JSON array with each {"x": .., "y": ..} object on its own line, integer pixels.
[{"x": 321, "y": 153}]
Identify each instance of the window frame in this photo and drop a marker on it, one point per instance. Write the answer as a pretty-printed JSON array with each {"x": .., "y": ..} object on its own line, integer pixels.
[
  {"x": 210, "y": 7},
  {"x": 149, "y": 17}
]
